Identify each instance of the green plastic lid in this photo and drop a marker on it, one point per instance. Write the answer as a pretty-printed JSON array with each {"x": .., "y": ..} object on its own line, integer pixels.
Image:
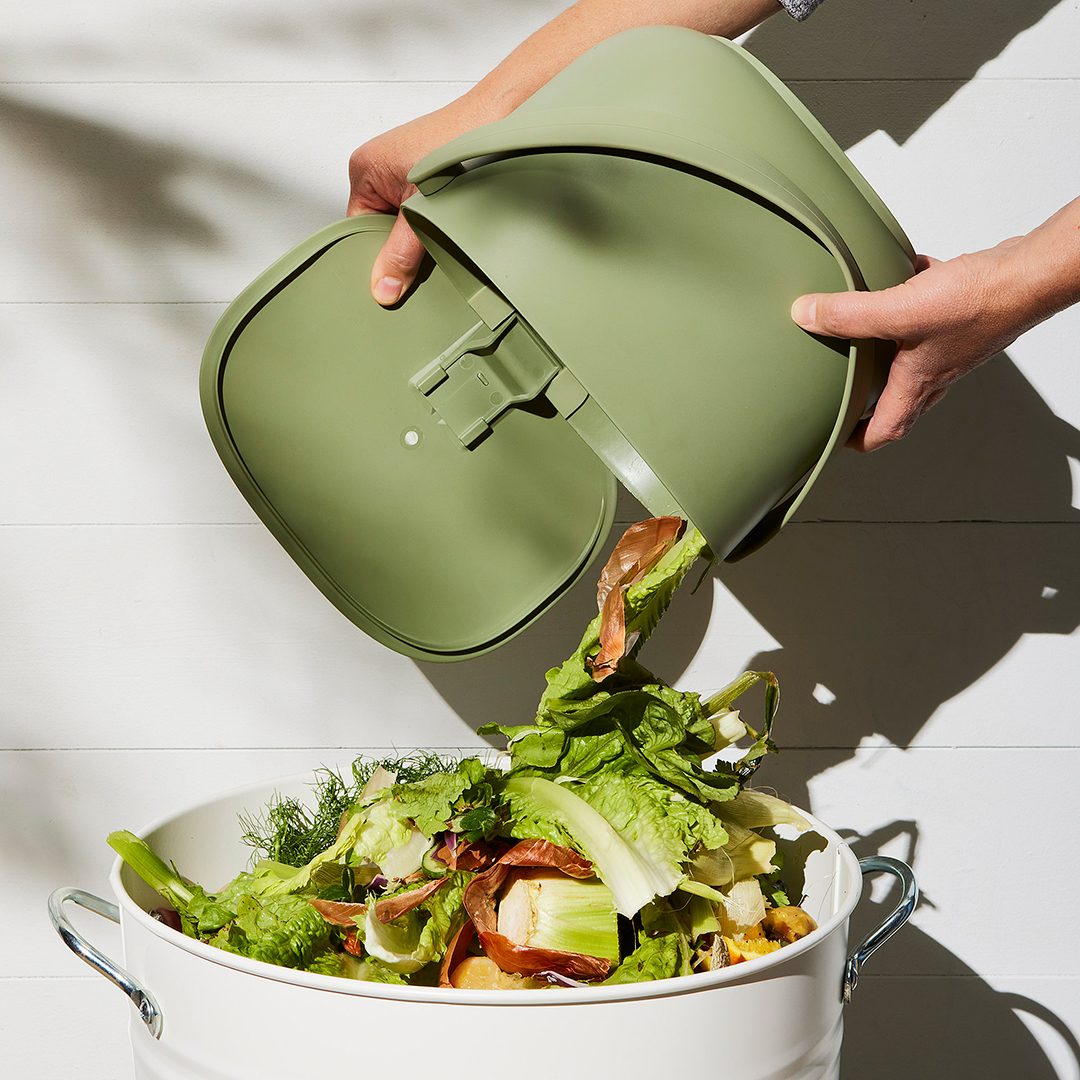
[
  {"x": 436, "y": 550},
  {"x": 613, "y": 268}
]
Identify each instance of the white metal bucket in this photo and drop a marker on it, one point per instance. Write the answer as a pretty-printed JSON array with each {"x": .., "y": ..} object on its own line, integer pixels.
[{"x": 203, "y": 1014}]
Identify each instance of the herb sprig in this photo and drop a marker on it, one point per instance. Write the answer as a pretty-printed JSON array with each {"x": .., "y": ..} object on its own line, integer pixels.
[{"x": 290, "y": 831}]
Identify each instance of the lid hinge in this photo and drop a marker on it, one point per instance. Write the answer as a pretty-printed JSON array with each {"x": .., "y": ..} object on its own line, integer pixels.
[{"x": 482, "y": 374}]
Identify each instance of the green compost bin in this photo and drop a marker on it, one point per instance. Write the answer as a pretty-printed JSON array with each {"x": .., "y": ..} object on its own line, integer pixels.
[{"x": 607, "y": 299}]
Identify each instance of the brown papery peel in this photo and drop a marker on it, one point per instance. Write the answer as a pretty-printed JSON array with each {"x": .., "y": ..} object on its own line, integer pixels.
[
  {"x": 455, "y": 953},
  {"x": 338, "y": 913},
  {"x": 479, "y": 901},
  {"x": 387, "y": 910},
  {"x": 637, "y": 552},
  {"x": 470, "y": 855}
]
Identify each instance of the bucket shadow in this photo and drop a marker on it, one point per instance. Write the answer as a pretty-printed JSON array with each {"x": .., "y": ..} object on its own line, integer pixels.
[
  {"x": 892, "y": 617},
  {"x": 926, "y": 1027},
  {"x": 895, "y": 618},
  {"x": 947, "y": 1023}
]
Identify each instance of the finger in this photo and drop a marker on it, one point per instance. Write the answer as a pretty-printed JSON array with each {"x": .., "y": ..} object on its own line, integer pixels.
[
  {"x": 397, "y": 264},
  {"x": 848, "y": 315},
  {"x": 902, "y": 402},
  {"x": 934, "y": 398},
  {"x": 894, "y": 416}
]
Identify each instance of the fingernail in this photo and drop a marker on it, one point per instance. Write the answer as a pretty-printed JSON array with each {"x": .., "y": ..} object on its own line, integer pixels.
[
  {"x": 388, "y": 290},
  {"x": 804, "y": 310}
]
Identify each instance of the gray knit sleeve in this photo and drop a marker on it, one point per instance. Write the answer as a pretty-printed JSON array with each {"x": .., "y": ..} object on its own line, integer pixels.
[{"x": 799, "y": 9}]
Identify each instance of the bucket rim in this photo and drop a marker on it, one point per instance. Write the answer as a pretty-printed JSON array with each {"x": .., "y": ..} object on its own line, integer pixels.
[{"x": 749, "y": 971}]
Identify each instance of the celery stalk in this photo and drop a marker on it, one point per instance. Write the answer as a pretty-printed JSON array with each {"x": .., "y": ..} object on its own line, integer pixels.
[{"x": 548, "y": 910}]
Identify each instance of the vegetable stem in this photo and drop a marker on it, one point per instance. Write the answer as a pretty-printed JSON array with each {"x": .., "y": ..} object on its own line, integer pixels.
[{"x": 151, "y": 868}]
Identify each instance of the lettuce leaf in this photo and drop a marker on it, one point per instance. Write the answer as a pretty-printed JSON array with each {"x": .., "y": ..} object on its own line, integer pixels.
[
  {"x": 652, "y": 817},
  {"x": 644, "y": 604},
  {"x": 763, "y": 744},
  {"x": 421, "y": 935},
  {"x": 756, "y": 810},
  {"x": 662, "y": 957},
  {"x": 665, "y": 732},
  {"x": 430, "y": 802},
  {"x": 544, "y": 810},
  {"x": 283, "y": 930},
  {"x": 746, "y": 854},
  {"x": 445, "y": 911}
]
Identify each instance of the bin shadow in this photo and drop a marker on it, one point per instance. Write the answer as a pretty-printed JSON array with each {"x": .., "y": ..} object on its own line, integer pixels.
[
  {"x": 891, "y": 617},
  {"x": 894, "y": 618},
  {"x": 942, "y": 1019}
]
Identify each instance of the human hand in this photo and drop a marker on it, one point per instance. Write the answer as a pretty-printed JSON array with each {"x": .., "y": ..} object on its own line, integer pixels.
[
  {"x": 378, "y": 169},
  {"x": 378, "y": 184},
  {"x": 946, "y": 320}
]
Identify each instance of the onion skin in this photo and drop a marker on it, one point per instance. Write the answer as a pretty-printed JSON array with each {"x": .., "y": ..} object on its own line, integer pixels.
[
  {"x": 636, "y": 553},
  {"x": 387, "y": 910},
  {"x": 466, "y": 855},
  {"x": 169, "y": 917},
  {"x": 455, "y": 953},
  {"x": 338, "y": 913},
  {"x": 394, "y": 906}
]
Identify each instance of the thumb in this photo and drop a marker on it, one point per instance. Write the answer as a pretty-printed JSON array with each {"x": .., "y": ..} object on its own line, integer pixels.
[
  {"x": 397, "y": 264},
  {"x": 847, "y": 314}
]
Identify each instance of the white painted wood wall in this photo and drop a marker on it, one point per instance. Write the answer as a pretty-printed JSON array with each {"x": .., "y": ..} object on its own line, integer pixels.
[{"x": 157, "y": 645}]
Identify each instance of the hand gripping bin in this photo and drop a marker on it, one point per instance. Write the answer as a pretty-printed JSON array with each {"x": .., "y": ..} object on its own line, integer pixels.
[{"x": 608, "y": 299}]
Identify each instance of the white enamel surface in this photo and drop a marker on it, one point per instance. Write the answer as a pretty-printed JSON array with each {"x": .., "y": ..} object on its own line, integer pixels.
[{"x": 157, "y": 648}]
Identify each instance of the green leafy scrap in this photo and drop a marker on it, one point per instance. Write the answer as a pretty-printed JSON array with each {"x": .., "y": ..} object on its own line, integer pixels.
[
  {"x": 663, "y": 957},
  {"x": 613, "y": 769},
  {"x": 282, "y": 930},
  {"x": 293, "y": 832}
]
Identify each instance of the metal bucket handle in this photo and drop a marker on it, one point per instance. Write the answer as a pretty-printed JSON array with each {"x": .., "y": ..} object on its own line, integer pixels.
[
  {"x": 141, "y": 998},
  {"x": 874, "y": 864}
]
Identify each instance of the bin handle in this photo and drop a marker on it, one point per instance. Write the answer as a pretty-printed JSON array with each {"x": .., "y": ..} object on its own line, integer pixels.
[
  {"x": 874, "y": 864},
  {"x": 148, "y": 1009}
]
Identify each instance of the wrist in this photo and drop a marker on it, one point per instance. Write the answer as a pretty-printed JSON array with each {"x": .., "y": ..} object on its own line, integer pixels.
[{"x": 1043, "y": 267}]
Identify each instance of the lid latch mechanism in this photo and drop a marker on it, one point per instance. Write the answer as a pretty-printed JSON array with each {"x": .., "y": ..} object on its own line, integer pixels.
[{"x": 482, "y": 374}]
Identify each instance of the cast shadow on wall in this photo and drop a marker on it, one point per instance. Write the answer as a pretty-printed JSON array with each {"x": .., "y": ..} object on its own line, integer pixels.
[
  {"x": 924, "y": 1025},
  {"x": 894, "y": 617}
]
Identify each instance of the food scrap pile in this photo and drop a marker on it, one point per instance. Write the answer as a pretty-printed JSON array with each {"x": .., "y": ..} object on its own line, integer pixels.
[{"x": 622, "y": 844}]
